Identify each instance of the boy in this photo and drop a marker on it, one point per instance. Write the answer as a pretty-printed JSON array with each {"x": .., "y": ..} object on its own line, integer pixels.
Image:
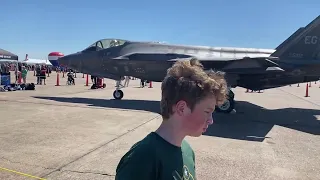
[{"x": 189, "y": 96}]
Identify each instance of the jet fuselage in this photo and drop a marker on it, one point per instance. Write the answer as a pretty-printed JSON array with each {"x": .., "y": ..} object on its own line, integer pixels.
[{"x": 150, "y": 61}]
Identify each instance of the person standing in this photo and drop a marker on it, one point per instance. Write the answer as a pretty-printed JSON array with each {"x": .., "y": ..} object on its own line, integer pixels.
[
  {"x": 189, "y": 97},
  {"x": 126, "y": 81},
  {"x": 38, "y": 73},
  {"x": 43, "y": 75},
  {"x": 24, "y": 73}
]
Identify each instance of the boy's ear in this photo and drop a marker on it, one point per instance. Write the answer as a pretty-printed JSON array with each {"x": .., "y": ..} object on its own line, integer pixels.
[{"x": 182, "y": 108}]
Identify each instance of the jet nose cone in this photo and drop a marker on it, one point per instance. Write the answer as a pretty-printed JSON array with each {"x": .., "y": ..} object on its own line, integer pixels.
[
  {"x": 71, "y": 61},
  {"x": 64, "y": 61}
]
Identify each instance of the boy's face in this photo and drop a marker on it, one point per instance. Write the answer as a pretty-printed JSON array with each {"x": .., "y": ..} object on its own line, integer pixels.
[{"x": 197, "y": 121}]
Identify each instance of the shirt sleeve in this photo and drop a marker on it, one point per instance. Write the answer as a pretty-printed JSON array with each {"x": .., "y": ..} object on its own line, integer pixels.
[
  {"x": 194, "y": 163},
  {"x": 194, "y": 159},
  {"x": 137, "y": 164}
]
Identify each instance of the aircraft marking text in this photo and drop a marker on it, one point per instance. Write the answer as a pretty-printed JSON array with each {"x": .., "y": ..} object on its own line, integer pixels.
[
  {"x": 296, "y": 55},
  {"x": 311, "y": 39}
]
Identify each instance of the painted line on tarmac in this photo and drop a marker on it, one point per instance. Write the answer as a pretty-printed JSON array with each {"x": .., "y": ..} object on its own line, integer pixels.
[
  {"x": 102, "y": 145},
  {"x": 20, "y": 173},
  {"x": 299, "y": 97}
]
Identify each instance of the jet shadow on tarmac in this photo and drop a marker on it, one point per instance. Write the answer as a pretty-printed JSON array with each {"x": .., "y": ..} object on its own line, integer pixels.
[{"x": 253, "y": 125}]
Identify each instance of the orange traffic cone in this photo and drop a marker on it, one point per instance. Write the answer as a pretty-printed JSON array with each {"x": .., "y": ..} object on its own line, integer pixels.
[
  {"x": 58, "y": 82},
  {"x": 87, "y": 80},
  {"x": 307, "y": 91}
]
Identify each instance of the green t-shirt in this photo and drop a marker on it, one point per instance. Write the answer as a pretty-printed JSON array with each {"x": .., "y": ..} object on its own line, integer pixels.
[
  {"x": 153, "y": 158},
  {"x": 24, "y": 73}
]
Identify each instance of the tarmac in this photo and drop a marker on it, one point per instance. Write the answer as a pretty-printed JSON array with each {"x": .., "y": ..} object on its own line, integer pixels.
[{"x": 72, "y": 132}]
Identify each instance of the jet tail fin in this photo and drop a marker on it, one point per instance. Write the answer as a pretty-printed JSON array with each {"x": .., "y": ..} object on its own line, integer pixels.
[
  {"x": 290, "y": 38},
  {"x": 26, "y": 59},
  {"x": 303, "y": 44}
]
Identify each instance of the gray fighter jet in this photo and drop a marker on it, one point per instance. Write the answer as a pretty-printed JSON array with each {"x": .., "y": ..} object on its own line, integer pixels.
[{"x": 296, "y": 60}]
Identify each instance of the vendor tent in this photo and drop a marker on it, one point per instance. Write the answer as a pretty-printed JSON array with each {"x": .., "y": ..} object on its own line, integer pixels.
[{"x": 7, "y": 55}]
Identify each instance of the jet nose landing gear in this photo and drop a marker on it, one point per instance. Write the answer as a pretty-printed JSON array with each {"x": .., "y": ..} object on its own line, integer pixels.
[{"x": 118, "y": 94}]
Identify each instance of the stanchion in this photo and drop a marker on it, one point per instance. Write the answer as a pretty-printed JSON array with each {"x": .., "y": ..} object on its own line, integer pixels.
[
  {"x": 309, "y": 84},
  {"x": 58, "y": 82},
  {"x": 87, "y": 80},
  {"x": 150, "y": 84},
  {"x": 307, "y": 91},
  {"x": 298, "y": 85},
  {"x": 82, "y": 75}
]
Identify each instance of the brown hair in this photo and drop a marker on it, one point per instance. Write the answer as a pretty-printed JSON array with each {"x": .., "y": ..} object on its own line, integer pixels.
[{"x": 186, "y": 80}]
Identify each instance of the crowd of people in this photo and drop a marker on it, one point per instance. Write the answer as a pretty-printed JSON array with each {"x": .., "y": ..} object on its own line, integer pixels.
[
  {"x": 44, "y": 71},
  {"x": 22, "y": 69}
]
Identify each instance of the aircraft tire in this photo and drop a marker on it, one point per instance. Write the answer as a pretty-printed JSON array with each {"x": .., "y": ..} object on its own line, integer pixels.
[
  {"x": 227, "y": 107},
  {"x": 118, "y": 94}
]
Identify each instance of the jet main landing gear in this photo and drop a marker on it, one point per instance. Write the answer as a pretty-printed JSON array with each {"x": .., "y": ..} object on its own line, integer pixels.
[{"x": 228, "y": 105}]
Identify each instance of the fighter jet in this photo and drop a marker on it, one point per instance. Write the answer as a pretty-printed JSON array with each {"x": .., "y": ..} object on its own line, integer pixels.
[{"x": 296, "y": 60}]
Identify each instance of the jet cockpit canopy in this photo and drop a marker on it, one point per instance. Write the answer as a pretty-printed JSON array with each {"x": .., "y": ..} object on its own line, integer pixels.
[{"x": 106, "y": 43}]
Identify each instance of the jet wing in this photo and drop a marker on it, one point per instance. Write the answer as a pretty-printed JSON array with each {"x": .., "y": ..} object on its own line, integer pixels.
[
  {"x": 252, "y": 65},
  {"x": 248, "y": 65},
  {"x": 152, "y": 56}
]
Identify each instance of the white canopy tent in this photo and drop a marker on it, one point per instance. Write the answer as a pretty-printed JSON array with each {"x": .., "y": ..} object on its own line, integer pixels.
[{"x": 36, "y": 61}]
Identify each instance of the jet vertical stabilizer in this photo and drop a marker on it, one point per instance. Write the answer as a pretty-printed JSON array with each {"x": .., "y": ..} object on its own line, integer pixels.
[
  {"x": 304, "y": 45},
  {"x": 290, "y": 38}
]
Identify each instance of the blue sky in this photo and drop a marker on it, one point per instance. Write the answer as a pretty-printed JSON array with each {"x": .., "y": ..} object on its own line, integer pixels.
[{"x": 40, "y": 27}]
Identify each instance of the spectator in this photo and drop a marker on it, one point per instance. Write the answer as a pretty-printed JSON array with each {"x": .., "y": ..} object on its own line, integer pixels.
[
  {"x": 38, "y": 74},
  {"x": 126, "y": 81},
  {"x": 43, "y": 75},
  {"x": 24, "y": 73}
]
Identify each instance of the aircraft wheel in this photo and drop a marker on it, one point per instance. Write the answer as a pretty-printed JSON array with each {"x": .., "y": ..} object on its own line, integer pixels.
[
  {"x": 118, "y": 94},
  {"x": 226, "y": 107}
]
